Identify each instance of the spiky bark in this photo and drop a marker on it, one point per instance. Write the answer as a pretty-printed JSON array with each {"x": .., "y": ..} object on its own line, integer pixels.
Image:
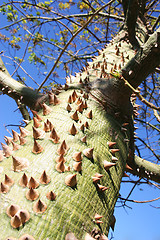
[
  {"x": 73, "y": 209},
  {"x": 75, "y": 206}
]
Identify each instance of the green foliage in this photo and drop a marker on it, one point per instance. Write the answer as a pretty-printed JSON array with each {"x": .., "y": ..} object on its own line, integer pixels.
[
  {"x": 34, "y": 58},
  {"x": 82, "y": 6},
  {"x": 19, "y": 60},
  {"x": 64, "y": 5}
]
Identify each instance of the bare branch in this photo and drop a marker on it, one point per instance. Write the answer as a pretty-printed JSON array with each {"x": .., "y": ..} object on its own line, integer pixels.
[
  {"x": 146, "y": 145},
  {"x": 144, "y": 62},
  {"x": 23, "y": 71},
  {"x": 135, "y": 184},
  {"x": 157, "y": 70},
  {"x": 156, "y": 115},
  {"x": 136, "y": 201},
  {"x": 149, "y": 124},
  {"x": 151, "y": 4},
  {"x": 23, "y": 110},
  {"x": 131, "y": 11},
  {"x": 143, "y": 168},
  {"x": 156, "y": 23},
  {"x": 25, "y": 51},
  {"x": 141, "y": 98},
  {"x": 19, "y": 92},
  {"x": 48, "y": 19}
]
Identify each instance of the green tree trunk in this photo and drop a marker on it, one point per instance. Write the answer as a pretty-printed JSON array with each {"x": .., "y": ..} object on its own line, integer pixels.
[{"x": 73, "y": 209}]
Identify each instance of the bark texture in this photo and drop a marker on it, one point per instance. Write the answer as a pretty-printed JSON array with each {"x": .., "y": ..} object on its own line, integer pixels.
[
  {"x": 101, "y": 91},
  {"x": 74, "y": 209}
]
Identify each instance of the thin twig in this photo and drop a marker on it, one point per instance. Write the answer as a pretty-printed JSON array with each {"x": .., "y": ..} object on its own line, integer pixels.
[
  {"x": 62, "y": 17},
  {"x": 148, "y": 148},
  {"x": 151, "y": 5},
  {"x": 149, "y": 124},
  {"x": 19, "y": 64},
  {"x": 45, "y": 40},
  {"x": 23, "y": 71},
  {"x": 156, "y": 23},
  {"x": 135, "y": 201},
  {"x": 132, "y": 189},
  {"x": 141, "y": 98},
  {"x": 88, "y": 3},
  {"x": 64, "y": 25}
]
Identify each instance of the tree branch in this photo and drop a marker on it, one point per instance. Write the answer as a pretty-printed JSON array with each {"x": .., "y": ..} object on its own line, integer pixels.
[
  {"x": 150, "y": 5},
  {"x": 136, "y": 201},
  {"x": 19, "y": 92},
  {"x": 48, "y": 19},
  {"x": 147, "y": 146},
  {"x": 141, "y": 98},
  {"x": 156, "y": 23},
  {"x": 23, "y": 111},
  {"x": 143, "y": 168},
  {"x": 156, "y": 115},
  {"x": 149, "y": 124},
  {"x": 21, "y": 106},
  {"x": 144, "y": 62},
  {"x": 131, "y": 12}
]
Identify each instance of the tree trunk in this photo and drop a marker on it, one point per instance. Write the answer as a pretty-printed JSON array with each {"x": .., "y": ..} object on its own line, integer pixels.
[{"x": 75, "y": 206}]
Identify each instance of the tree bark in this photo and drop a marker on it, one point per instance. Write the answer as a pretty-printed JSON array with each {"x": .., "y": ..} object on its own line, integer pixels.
[{"x": 75, "y": 207}]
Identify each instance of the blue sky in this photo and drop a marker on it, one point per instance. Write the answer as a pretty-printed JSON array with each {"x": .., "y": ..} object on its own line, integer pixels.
[{"x": 139, "y": 223}]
